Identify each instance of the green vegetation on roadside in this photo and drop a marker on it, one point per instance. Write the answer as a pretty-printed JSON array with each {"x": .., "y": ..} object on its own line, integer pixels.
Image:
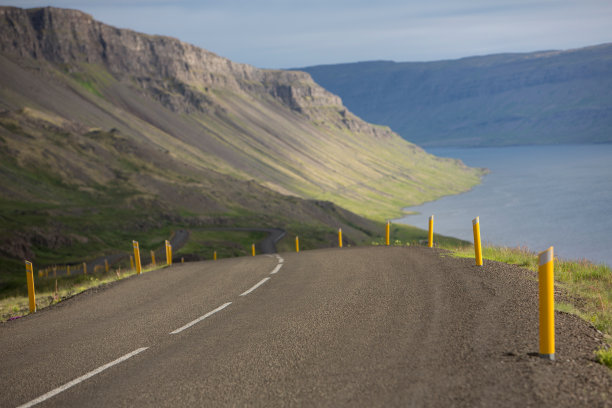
[{"x": 47, "y": 293}]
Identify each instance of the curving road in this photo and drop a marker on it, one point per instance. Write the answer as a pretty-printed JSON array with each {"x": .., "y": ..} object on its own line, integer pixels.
[{"x": 336, "y": 327}]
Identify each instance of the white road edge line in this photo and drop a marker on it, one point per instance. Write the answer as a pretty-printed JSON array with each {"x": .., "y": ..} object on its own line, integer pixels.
[
  {"x": 280, "y": 265},
  {"x": 280, "y": 259},
  {"x": 82, "y": 378},
  {"x": 261, "y": 282},
  {"x": 199, "y": 319}
]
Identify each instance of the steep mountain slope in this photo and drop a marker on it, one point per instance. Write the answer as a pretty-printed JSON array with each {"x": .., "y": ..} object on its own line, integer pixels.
[
  {"x": 104, "y": 132},
  {"x": 536, "y": 98}
]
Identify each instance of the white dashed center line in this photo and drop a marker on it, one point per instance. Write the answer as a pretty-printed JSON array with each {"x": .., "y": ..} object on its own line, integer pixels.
[
  {"x": 261, "y": 282},
  {"x": 199, "y": 319},
  {"x": 82, "y": 378}
]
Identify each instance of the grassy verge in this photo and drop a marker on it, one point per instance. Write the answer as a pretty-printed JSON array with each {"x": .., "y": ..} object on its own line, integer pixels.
[
  {"x": 588, "y": 285},
  {"x": 50, "y": 291}
]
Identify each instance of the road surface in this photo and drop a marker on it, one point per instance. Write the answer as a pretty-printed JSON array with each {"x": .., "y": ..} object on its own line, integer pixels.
[{"x": 365, "y": 327}]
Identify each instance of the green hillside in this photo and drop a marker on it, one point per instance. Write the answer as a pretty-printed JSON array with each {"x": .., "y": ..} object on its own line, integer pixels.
[{"x": 108, "y": 135}]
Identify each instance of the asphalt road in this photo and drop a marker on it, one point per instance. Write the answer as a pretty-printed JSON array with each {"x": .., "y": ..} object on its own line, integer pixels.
[{"x": 337, "y": 327}]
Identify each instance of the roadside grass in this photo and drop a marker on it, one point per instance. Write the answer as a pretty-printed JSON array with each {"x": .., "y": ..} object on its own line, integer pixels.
[
  {"x": 588, "y": 283},
  {"x": 67, "y": 286},
  {"x": 228, "y": 244}
]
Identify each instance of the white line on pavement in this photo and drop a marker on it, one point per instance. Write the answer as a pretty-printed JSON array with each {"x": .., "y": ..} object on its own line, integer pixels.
[
  {"x": 81, "y": 379},
  {"x": 280, "y": 265},
  {"x": 199, "y": 319},
  {"x": 280, "y": 259},
  {"x": 261, "y": 282}
]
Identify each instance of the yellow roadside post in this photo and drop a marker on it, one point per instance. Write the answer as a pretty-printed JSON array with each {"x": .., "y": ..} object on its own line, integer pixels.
[
  {"x": 340, "y": 237},
  {"x": 214, "y": 255},
  {"x": 40, "y": 273},
  {"x": 137, "y": 257},
  {"x": 67, "y": 270},
  {"x": 106, "y": 265},
  {"x": 388, "y": 233},
  {"x": 168, "y": 253},
  {"x": 182, "y": 260},
  {"x": 546, "y": 284},
  {"x": 477, "y": 246},
  {"x": 152, "y": 257},
  {"x": 30, "y": 279},
  {"x": 84, "y": 268},
  {"x": 297, "y": 244},
  {"x": 253, "y": 249},
  {"x": 430, "y": 236}
]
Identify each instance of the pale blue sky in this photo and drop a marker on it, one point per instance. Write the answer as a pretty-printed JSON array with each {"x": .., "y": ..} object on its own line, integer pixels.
[{"x": 283, "y": 34}]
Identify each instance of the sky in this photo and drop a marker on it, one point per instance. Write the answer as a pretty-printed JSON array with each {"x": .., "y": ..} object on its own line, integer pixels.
[{"x": 292, "y": 34}]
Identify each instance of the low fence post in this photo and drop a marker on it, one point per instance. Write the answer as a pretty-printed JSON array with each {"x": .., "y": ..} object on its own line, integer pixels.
[
  {"x": 253, "y": 249},
  {"x": 297, "y": 244},
  {"x": 137, "y": 257},
  {"x": 30, "y": 280},
  {"x": 388, "y": 233},
  {"x": 430, "y": 235},
  {"x": 477, "y": 246},
  {"x": 340, "y": 237},
  {"x": 546, "y": 284}
]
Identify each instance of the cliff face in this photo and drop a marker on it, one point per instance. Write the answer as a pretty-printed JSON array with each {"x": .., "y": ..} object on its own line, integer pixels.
[{"x": 70, "y": 36}]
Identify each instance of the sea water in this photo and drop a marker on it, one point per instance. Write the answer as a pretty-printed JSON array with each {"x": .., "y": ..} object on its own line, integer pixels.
[{"x": 533, "y": 196}]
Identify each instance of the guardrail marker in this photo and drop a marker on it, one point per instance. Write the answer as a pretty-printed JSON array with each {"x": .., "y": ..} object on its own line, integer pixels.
[
  {"x": 137, "y": 257},
  {"x": 546, "y": 284},
  {"x": 477, "y": 246},
  {"x": 30, "y": 280},
  {"x": 297, "y": 244},
  {"x": 340, "y": 237},
  {"x": 430, "y": 235},
  {"x": 388, "y": 233}
]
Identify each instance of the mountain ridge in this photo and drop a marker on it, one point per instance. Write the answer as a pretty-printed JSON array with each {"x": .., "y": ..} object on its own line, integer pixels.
[{"x": 502, "y": 99}]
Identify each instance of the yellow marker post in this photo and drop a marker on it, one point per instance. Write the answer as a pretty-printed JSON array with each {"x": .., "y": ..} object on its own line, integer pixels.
[
  {"x": 152, "y": 257},
  {"x": 182, "y": 260},
  {"x": 340, "y": 237},
  {"x": 170, "y": 252},
  {"x": 388, "y": 234},
  {"x": 106, "y": 265},
  {"x": 546, "y": 284},
  {"x": 253, "y": 249},
  {"x": 430, "y": 236},
  {"x": 84, "y": 268},
  {"x": 67, "y": 270},
  {"x": 477, "y": 246},
  {"x": 297, "y": 244},
  {"x": 30, "y": 279},
  {"x": 137, "y": 257},
  {"x": 214, "y": 255},
  {"x": 40, "y": 273}
]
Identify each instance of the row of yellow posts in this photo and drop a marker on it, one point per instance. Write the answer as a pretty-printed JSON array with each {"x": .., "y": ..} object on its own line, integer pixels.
[
  {"x": 546, "y": 289},
  {"x": 545, "y": 278}
]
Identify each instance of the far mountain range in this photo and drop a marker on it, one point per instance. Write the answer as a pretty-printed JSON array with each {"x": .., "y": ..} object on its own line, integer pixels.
[{"x": 546, "y": 97}]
